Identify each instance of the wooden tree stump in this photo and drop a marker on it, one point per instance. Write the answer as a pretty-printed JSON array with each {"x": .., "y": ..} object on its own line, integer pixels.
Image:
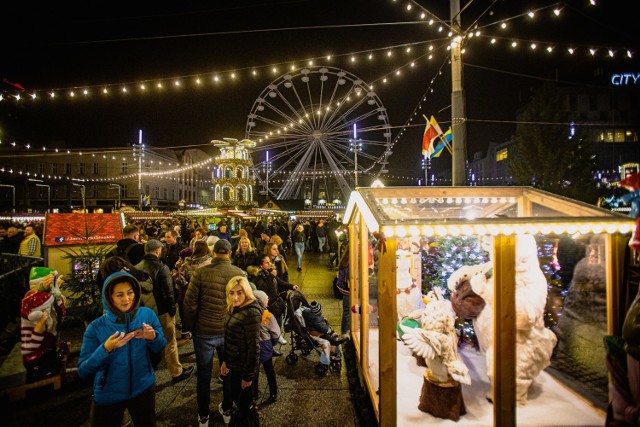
[{"x": 442, "y": 400}]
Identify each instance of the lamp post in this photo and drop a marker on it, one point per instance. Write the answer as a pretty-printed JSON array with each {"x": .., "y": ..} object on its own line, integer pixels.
[
  {"x": 119, "y": 187},
  {"x": 40, "y": 184},
  {"x": 48, "y": 195},
  {"x": 355, "y": 145},
  {"x": 266, "y": 167},
  {"x": 13, "y": 197},
  {"x": 82, "y": 192}
]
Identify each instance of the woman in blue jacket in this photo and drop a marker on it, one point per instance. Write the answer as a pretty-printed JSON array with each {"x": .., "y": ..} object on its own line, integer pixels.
[{"x": 115, "y": 353}]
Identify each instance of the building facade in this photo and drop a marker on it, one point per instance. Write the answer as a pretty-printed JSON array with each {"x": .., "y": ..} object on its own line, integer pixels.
[{"x": 65, "y": 180}]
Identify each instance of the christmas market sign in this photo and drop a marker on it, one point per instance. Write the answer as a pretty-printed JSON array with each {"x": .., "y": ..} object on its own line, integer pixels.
[{"x": 77, "y": 228}]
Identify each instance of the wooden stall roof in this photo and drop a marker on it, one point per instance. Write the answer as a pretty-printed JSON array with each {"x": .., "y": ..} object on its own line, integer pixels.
[
  {"x": 479, "y": 210},
  {"x": 77, "y": 228}
]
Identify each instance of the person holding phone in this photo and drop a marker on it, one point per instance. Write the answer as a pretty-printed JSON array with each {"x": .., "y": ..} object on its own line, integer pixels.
[{"x": 115, "y": 354}]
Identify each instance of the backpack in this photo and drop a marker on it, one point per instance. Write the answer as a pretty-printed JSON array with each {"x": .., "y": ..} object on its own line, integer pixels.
[{"x": 117, "y": 251}]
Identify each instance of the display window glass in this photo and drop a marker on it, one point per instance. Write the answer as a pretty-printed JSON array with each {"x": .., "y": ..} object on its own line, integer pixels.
[{"x": 502, "y": 304}]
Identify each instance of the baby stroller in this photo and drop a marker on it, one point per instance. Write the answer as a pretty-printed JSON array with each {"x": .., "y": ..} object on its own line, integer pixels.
[{"x": 301, "y": 339}]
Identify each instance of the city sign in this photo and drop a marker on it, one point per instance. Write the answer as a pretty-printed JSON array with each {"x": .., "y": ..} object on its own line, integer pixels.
[{"x": 625, "y": 79}]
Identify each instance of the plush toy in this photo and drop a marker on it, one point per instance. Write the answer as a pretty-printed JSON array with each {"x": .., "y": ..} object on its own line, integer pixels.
[
  {"x": 41, "y": 310},
  {"x": 534, "y": 342},
  {"x": 632, "y": 183},
  {"x": 437, "y": 342}
]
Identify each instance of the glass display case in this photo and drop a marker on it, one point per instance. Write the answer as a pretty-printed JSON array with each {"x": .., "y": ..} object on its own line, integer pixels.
[{"x": 484, "y": 305}]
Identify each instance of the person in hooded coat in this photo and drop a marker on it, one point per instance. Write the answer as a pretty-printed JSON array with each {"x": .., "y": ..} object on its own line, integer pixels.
[{"x": 115, "y": 354}]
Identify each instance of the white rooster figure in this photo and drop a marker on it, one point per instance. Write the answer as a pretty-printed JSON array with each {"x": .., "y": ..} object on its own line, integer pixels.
[{"x": 437, "y": 342}]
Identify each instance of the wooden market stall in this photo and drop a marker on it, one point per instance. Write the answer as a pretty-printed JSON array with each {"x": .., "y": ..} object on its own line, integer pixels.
[
  {"x": 68, "y": 232},
  {"x": 384, "y": 266}
]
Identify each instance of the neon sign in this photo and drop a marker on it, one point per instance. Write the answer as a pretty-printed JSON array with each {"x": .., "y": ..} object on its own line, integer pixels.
[{"x": 625, "y": 79}]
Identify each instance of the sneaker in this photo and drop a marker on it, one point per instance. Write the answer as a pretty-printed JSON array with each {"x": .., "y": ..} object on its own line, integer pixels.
[
  {"x": 273, "y": 398},
  {"x": 186, "y": 373},
  {"x": 341, "y": 340},
  {"x": 203, "y": 421},
  {"x": 299, "y": 268},
  {"x": 281, "y": 340},
  {"x": 276, "y": 353},
  {"x": 226, "y": 415}
]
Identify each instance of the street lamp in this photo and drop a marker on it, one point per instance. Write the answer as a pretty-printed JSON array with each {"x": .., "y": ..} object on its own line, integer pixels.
[
  {"x": 82, "y": 192},
  {"x": 13, "y": 198},
  {"x": 39, "y": 184},
  {"x": 355, "y": 145},
  {"x": 48, "y": 195},
  {"x": 119, "y": 187},
  {"x": 266, "y": 167}
]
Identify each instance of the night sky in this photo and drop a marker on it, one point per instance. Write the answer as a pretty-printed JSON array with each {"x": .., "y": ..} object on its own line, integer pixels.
[{"x": 59, "y": 47}]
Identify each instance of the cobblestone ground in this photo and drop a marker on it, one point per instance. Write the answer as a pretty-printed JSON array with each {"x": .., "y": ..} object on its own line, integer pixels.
[{"x": 305, "y": 398}]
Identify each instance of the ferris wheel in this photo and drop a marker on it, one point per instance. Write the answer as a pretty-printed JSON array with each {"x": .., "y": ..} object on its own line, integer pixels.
[{"x": 315, "y": 125}]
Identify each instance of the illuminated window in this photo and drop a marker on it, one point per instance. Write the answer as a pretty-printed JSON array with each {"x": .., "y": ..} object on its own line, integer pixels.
[{"x": 502, "y": 155}]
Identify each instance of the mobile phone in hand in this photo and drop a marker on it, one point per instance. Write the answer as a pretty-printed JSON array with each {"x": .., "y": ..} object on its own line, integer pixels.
[{"x": 138, "y": 332}]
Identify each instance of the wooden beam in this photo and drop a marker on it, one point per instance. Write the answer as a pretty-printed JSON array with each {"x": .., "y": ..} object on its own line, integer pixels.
[
  {"x": 504, "y": 332},
  {"x": 387, "y": 318}
]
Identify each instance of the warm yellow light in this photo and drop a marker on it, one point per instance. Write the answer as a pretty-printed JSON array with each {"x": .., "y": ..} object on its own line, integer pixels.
[
  {"x": 531, "y": 14},
  {"x": 556, "y": 12},
  {"x": 503, "y": 25},
  {"x": 440, "y": 230},
  {"x": 159, "y": 85},
  {"x": 571, "y": 50},
  {"x": 388, "y": 231},
  {"x": 427, "y": 230},
  {"x": 71, "y": 94},
  {"x": 493, "y": 41}
]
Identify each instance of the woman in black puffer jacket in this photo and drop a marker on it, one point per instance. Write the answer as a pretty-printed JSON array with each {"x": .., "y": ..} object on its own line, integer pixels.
[{"x": 241, "y": 359}]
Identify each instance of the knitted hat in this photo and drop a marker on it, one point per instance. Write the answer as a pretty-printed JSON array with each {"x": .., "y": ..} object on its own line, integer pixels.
[
  {"x": 37, "y": 276},
  {"x": 262, "y": 297},
  {"x": 34, "y": 303},
  {"x": 315, "y": 307}
]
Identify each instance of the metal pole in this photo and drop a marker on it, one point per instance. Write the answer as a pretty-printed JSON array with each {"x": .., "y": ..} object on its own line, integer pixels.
[
  {"x": 48, "y": 195},
  {"x": 13, "y": 195},
  {"x": 355, "y": 151},
  {"x": 458, "y": 113},
  {"x": 140, "y": 169}
]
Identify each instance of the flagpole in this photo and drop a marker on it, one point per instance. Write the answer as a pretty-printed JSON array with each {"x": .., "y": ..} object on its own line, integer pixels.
[
  {"x": 458, "y": 115},
  {"x": 427, "y": 161}
]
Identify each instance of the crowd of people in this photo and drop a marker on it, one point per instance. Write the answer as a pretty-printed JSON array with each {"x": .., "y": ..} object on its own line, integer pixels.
[{"x": 173, "y": 280}]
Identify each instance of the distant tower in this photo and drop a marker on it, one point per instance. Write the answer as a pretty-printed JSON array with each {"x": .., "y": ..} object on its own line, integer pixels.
[{"x": 232, "y": 184}]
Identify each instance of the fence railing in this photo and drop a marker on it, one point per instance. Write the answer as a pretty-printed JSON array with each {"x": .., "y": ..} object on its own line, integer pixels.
[{"x": 14, "y": 283}]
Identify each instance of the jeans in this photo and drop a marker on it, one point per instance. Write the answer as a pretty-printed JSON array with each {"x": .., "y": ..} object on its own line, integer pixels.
[
  {"x": 204, "y": 346},
  {"x": 299, "y": 247},
  {"x": 271, "y": 379},
  {"x": 345, "y": 327},
  {"x": 322, "y": 242}
]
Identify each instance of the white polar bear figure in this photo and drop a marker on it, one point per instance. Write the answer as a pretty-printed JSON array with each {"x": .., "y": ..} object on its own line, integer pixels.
[
  {"x": 408, "y": 292},
  {"x": 534, "y": 342}
]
